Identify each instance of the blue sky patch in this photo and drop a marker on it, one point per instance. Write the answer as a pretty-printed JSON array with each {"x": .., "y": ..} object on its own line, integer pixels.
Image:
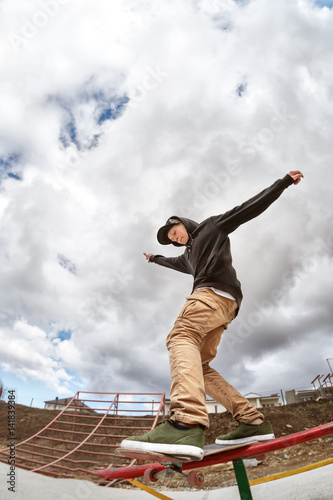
[
  {"x": 68, "y": 133},
  {"x": 14, "y": 176},
  {"x": 64, "y": 334},
  {"x": 66, "y": 263},
  {"x": 241, "y": 89},
  {"x": 324, "y": 3},
  {"x": 105, "y": 108},
  {"x": 113, "y": 110},
  {"x": 9, "y": 167}
]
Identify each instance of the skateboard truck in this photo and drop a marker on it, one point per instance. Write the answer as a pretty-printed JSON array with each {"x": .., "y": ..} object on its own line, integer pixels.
[
  {"x": 174, "y": 471},
  {"x": 172, "y": 467}
]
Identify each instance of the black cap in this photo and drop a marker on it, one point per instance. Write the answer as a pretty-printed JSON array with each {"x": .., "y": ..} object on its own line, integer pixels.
[{"x": 162, "y": 234}]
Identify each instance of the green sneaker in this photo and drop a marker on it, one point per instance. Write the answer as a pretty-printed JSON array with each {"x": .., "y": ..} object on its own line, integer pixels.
[
  {"x": 166, "y": 439},
  {"x": 246, "y": 433}
]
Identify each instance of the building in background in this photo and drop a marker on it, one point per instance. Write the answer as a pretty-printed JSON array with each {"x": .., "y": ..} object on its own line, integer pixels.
[
  {"x": 60, "y": 404},
  {"x": 294, "y": 396},
  {"x": 255, "y": 400},
  {"x": 259, "y": 401}
]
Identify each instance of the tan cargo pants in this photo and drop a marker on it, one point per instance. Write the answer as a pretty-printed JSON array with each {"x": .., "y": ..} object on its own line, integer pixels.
[{"x": 192, "y": 345}]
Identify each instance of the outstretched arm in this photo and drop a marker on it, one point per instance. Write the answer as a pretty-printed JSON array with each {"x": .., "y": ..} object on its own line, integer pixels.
[
  {"x": 177, "y": 263},
  {"x": 232, "y": 219}
]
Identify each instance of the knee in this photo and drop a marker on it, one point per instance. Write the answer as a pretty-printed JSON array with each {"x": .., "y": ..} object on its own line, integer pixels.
[
  {"x": 182, "y": 336},
  {"x": 205, "y": 368}
]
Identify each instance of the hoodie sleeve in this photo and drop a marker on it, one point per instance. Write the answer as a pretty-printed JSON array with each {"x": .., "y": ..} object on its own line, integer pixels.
[
  {"x": 177, "y": 263},
  {"x": 232, "y": 219}
]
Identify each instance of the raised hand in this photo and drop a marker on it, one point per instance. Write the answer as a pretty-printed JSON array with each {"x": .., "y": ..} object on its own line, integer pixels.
[
  {"x": 296, "y": 175},
  {"x": 148, "y": 256}
]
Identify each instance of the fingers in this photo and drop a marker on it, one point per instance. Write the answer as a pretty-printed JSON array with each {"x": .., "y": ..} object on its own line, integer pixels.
[
  {"x": 148, "y": 256},
  {"x": 296, "y": 175}
]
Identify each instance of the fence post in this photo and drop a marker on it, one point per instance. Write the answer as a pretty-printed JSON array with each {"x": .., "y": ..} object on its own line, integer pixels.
[{"x": 242, "y": 479}]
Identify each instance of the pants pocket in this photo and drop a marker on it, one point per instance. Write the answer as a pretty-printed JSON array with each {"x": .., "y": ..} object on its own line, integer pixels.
[{"x": 207, "y": 299}]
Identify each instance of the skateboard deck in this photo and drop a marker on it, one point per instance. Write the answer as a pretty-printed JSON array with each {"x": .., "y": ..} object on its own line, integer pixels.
[
  {"x": 152, "y": 456},
  {"x": 210, "y": 449}
]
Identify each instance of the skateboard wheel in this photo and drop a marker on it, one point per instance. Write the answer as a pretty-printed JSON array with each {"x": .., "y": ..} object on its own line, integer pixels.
[
  {"x": 195, "y": 478},
  {"x": 149, "y": 475}
]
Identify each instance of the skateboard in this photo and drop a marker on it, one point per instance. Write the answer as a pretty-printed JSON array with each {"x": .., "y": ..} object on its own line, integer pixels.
[
  {"x": 172, "y": 464},
  {"x": 216, "y": 456}
]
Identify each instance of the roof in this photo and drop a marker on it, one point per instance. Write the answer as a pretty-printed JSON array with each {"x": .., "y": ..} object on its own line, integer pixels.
[
  {"x": 306, "y": 391},
  {"x": 65, "y": 401},
  {"x": 252, "y": 395},
  {"x": 208, "y": 400}
]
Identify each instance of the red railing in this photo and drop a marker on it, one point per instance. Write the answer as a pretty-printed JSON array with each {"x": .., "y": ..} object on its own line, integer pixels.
[
  {"x": 252, "y": 450},
  {"x": 262, "y": 448}
]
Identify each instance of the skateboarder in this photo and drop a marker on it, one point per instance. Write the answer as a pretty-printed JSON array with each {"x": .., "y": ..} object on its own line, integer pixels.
[{"x": 192, "y": 343}]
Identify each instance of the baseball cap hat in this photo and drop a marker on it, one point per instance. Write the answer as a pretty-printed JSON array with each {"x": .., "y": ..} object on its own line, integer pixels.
[{"x": 162, "y": 234}]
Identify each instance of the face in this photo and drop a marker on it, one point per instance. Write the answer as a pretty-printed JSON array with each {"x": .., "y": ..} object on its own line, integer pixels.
[{"x": 178, "y": 234}]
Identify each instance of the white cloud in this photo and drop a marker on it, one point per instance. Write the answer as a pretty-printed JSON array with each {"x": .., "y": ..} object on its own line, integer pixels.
[
  {"x": 225, "y": 97},
  {"x": 27, "y": 352}
]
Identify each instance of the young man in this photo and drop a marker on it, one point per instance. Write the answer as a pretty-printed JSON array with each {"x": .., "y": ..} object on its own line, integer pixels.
[{"x": 193, "y": 341}]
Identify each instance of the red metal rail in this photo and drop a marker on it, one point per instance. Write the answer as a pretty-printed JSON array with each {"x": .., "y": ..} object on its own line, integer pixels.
[
  {"x": 133, "y": 471},
  {"x": 262, "y": 448}
]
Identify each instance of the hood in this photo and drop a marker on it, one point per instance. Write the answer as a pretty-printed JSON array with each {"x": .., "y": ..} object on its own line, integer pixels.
[{"x": 162, "y": 234}]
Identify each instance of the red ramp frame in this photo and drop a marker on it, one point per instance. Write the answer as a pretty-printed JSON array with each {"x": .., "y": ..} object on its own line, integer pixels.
[{"x": 84, "y": 435}]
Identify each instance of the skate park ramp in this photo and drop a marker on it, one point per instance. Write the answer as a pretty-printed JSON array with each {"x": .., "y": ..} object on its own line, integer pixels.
[{"x": 85, "y": 433}]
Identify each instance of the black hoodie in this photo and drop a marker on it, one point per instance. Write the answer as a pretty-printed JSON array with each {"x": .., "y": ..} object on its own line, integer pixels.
[{"x": 207, "y": 255}]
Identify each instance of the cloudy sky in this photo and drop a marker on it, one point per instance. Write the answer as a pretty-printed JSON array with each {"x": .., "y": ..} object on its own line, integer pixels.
[{"x": 116, "y": 115}]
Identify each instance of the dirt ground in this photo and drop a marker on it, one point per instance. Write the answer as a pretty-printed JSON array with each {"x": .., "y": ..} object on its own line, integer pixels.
[{"x": 285, "y": 420}]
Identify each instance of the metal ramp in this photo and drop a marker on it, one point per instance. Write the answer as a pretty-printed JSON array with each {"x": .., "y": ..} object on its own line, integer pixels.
[
  {"x": 84, "y": 435},
  {"x": 325, "y": 386}
]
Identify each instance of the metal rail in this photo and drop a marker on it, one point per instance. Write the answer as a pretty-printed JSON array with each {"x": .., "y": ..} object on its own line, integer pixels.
[
  {"x": 262, "y": 448},
  {"x": 235, "y": 455}
]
